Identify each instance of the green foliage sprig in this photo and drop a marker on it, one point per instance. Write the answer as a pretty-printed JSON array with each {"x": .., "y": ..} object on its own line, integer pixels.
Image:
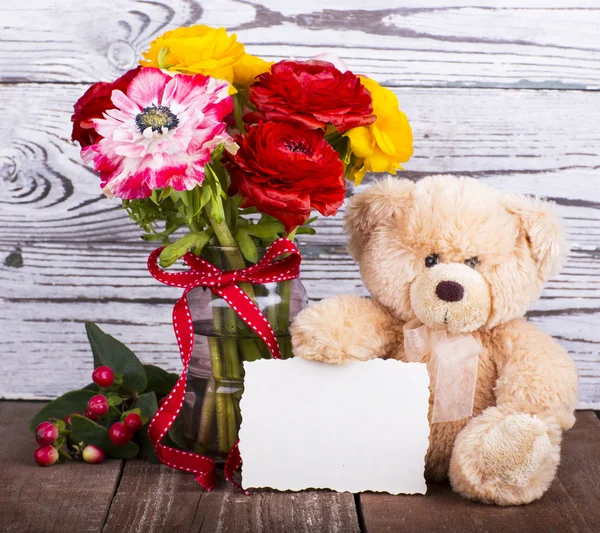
[{"x": 131, "y": 393}]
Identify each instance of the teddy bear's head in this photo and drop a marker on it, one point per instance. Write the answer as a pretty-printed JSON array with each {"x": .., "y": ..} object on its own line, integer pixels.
[{"x": 453, "y": 252}]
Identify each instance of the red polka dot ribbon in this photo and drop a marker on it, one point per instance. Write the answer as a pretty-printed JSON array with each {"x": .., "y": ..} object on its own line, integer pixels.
[{"x": 224, "y": 284}]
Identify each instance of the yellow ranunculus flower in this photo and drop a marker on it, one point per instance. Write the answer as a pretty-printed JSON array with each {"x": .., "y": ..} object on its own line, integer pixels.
[
  {"x": 248, "y": 68},
  {"x": 196, "y": 50},
  {"x": 387, "y": 142}
]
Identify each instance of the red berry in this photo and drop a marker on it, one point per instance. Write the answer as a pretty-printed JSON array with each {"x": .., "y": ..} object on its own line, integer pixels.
[
  {"x": 46, "y": 433},
  {"x": 98, "y": 405},
  {"x": 133, "y": 421},
  {"x": 103, "y": 376},
  {"x": 46, "y": 455},
  {"x": 92, "y": 454},
  {"x": 120, "y": 434},
  {"x": 88, "y": 414}
]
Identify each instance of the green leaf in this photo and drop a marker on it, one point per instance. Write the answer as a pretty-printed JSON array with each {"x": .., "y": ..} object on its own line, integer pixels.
[
  {"x": 177, "y": 250},
  {"x": 165, "y": 193},
  {"x": 246, "y": 245},
  {"x": 205, "y": 196},
  {"x": 265, "y": 230},
  {"x": 160, "y": 381},
  {"x": 146, "y": 447},
  {"x": 64, "y": 454},
  {"x": 176, "y": 434},
  {"x": 147, "y": 404},
  {"x": 152, "y": 237},
  {"x": 85, "y": 430},
  {"x": 216, "y": 209},
  {"x": 217, "y": 153},
  {"x": 202, "y": 240},
  {"x": 154, "y": 196},
  {"x": 110, "y": 352},
  {"x": 113, "y": 401},
  {"x": 183, "y": 196},
  {"x": 306, "y": 231},
  {"x": 71, "y": 402},
  {"x": 342, "y": 146}
]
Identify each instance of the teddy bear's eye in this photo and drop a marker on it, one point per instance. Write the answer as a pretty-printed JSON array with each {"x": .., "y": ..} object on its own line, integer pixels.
[
  {"x": 472, "y": 262},
  {"x": 432, "y": 260}
]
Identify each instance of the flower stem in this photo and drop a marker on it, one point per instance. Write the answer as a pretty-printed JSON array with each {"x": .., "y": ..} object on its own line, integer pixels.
[
  {"x": 217, "y": 371},
  {"x": 232, "y": 252},
  {"x": 207, "y": 414},
  {"x": 238, "y": 113},
  {"x": 285, "y": 290}
]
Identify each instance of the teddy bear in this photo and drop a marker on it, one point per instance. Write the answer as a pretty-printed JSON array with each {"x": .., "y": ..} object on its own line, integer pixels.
[{"x": 459, "y": 259}]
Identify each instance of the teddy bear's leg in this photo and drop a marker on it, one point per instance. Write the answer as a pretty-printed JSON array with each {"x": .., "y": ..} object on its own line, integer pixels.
[
  {"x": 509, "y": 453},
  {"x": 344, "y": 328}
]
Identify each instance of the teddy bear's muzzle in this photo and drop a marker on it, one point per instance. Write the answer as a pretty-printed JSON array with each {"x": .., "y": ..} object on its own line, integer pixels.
[{"x": 451, "y": 296}]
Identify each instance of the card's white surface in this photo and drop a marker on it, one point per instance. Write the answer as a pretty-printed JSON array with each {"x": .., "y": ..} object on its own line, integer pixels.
[{"x": 354, "y": 427}]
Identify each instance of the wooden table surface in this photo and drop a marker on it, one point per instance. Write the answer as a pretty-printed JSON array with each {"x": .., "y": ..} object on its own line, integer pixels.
[{"x": 135, "y": 496}]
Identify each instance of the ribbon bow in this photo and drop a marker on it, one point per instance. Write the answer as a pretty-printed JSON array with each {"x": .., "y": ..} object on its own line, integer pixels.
[
  {"x": 452, "y": 367},
  {"x": 225, "y": 285}
]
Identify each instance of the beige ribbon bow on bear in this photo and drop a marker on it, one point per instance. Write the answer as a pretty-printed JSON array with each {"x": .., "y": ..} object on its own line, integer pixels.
[{"x": 452, "y": 367}]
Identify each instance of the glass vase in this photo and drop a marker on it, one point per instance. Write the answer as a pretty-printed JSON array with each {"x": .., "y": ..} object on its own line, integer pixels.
[{"x": 222, "y": 342}]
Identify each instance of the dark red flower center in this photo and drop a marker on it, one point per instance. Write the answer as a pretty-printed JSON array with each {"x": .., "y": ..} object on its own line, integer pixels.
[
  {"x": 156, "y": 118},
  {"x": 297, "y": 146}
]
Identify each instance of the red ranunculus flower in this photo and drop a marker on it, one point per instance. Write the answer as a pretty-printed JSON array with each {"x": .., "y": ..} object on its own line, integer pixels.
[
  {"x": 286, "y": 172},
  {"x": 312, "y": 93},
  {"x": 92, "y": 104}
]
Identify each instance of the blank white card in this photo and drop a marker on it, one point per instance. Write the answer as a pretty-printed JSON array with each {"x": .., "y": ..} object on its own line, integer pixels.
[{"x": 354, "y": 427}]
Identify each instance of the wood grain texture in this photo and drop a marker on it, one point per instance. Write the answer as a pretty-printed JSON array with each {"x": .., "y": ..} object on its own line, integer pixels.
[
  {"x": 67, "y": 254},
  {"x": 579, "y": 471},
  {"x": 445, "y": 43},
  {"x": 226, "y": 510},
  {"x": 568, "y": 506},
  {"x": 68, "y": 497},
  {"x": 153, "y": 498}
]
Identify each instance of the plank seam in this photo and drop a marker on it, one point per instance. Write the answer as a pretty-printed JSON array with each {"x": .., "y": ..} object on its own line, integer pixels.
[
  {"x": 360, "y": 517},
  {"x": 114, "y": 494}
]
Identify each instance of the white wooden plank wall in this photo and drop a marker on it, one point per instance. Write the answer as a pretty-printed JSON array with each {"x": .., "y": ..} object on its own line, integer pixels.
[{"x": 503, "y": 91}]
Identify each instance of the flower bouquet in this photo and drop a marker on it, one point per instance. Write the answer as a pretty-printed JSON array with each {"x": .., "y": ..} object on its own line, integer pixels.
[{"x": 218, "y": 154}]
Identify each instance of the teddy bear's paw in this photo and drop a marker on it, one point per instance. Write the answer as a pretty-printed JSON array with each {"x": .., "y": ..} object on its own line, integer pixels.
[
  {"x": 505, "y": 458},
  {"x": 336, "y": 330},
  {"x": 515, "y": 449}
]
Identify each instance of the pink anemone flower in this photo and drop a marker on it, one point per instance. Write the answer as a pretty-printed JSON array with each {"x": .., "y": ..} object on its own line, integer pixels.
[{"x": 160, "y": 133}]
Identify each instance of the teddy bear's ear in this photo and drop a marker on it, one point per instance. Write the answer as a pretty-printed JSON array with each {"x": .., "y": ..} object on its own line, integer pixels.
[
  {"x": 365, "y": 210},
  {"x": 543, "y": 231}
]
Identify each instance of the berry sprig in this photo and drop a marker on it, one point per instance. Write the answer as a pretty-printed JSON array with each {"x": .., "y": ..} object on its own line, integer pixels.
[{"x": 116, "y": 409}]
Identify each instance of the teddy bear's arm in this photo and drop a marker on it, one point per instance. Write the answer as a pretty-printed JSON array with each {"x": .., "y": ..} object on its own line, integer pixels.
[
  {"x": 538, "y": 376},
  {"x": 345, "y": 328},
  {"x": 509, "y": 453}
]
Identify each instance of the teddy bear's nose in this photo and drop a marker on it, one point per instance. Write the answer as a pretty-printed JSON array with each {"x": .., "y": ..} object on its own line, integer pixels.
[{"x": 450, "y": 291}]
